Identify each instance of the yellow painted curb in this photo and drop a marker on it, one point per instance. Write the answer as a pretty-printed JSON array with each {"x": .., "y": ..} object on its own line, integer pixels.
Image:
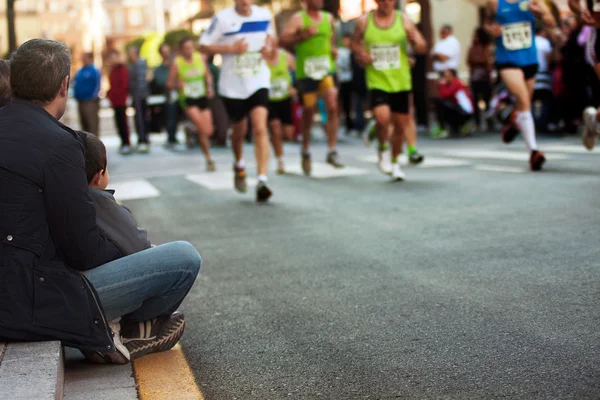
[{"x": 166, "y": 376}]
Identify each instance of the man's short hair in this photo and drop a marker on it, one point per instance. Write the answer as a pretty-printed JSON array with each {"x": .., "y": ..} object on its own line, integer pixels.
[
  {"x": 38, "y": 68},
  {"x": 89, "y": 55},
  {"x": 447, "y": 27},
  {"x": 95, "y": 155},
  {"x": 5, "y": 92}
]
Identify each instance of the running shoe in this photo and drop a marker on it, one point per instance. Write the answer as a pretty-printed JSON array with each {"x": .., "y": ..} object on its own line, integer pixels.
[
  {"x": 211, "y": 166},
  {"x": 536, "y": 160},
  {"x": 263, "y": 193},
  {"x": 416, "y": 158},
  {"x": 306, "y": 164},
  {"x": 397, "y": 173},
  {"x": 383, "y": 162},
  {"x": 125, "y": 150},
  {"x": 143, "y": 148},
  {"x": 153, "y": 336},
  {"x": 590, "y": 130},
  {"x": 239, "y": 179},
  {"x": 280, "y": 167},
  {"x": 334, "y": 159},
  {"x": 510, "y": 130},
  {"x": 466, "y": 129},
  {"x": 371, "y": 133},
  {"x": 439, "y": 133},
  {"x": 119, "y": 356}
]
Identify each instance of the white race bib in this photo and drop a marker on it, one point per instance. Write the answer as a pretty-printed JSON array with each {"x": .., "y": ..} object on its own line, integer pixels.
[
  {"x": 517, "y": 36},
  {"x": 280, "y": 88},
  {"x": 248, "y": 64},
  {"x": 317, "y": 68},
  {"x": 386, "y": 56},
  {"x": 195, "y": 89}
]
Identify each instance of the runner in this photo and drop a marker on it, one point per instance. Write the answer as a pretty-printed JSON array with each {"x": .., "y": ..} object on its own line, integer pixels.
[
  {"x": 380, "y": 44},
  {"x": 191, "y": 76},
  {"x": 280, "y": 103},
  {"x": 512, "y": 23},
  {"x": 312, "y": 34},
  {"x": 590, "y": 15},
  {"x": 244, "y": 36}
]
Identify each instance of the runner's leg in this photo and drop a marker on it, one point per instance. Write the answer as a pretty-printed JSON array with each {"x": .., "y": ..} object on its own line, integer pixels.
[
  {"x": 202, "y": 120},
  {"x": 258, "y": 117},
  {"x": 382, "y": 116}
]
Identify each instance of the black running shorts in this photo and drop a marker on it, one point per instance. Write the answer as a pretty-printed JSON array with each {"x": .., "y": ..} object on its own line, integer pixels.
[
  {"x": 238, "y": 109},
  {"x": 282, "y": 111},
  {"x": 398, "y": 101}
]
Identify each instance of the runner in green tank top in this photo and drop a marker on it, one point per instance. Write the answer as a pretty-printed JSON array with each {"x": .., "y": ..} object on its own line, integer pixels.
[
  {"x": 312, "y": 34},
  {"x": 381, "y": 44},
  {"x": 280, "y": 103},
  {"x": 191, "y": 77}
]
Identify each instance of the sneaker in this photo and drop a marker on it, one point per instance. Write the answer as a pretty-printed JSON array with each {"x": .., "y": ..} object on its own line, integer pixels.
[
  {"x": 158, "y": 334},
  {"x": 120, "y": 356},
  {"x": 263, "y": 193},
  {"x": 510, "y": 130},
  {"x": 239, "y": 179},
  {"x": 334, "y": 159},
  {"x": 466, "y": 129},
  {"x": 170, "y": 145},
  {"x": 590, "y": 130},
  {"x": 211, "y": 166},
  {"x": 125, "y": 150},
  {"x": 306, "y": 164},
  {"x": 370, "y": 134},
  {"x": 280, "y": 167},
  {"x": 383, "y": 162},
  {"x": 143, "y": 148},
  {"x": 397, "y": 173},
  {"x": 416, "y": 158},
  {"x": 536, "y": 160},
  {"x": 439, "y": 133}
]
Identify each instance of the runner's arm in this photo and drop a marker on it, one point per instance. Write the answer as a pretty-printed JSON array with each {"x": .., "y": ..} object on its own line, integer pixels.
[
  {"x": 208, "y": 78},
  {"x": 358, "y": 42},
  {"x": 334, "y": 47},
  {"x": 293, "y": 33},
  {"x": 210, "y": 40},
  {"x": 414, "y": 36},
  {"x": 540, "y": 9},
  {"x": 291, "y": 61},
  {"x": 491, "y": 26}
]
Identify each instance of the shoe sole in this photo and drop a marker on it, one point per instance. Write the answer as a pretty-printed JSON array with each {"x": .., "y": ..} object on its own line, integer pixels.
[
  {"x": 537, "y": 166},
  {"x": 334, "y": 165},
  {"x": 165, "y": 341},
  {"x": 263, "y": 194},
  {"x": 96, "y": 357}
]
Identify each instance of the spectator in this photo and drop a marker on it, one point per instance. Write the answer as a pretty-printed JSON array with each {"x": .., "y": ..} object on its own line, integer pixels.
[
  {"x": 87, "y": 86},
  {"x": 117, "y": 94},
  {"x": 344, "y": 75},
  {"x": 455, "y": 105},
  {"x": 139, "y": 91},
  {"x": 480, "y": 67},
  {"x": 446, "y": 52},
  {"x": 5, "y": 92},
  {"x": 542, "y": 94},
  {"x": 168, "y": 112},
  {"x": 114, "y": 220},
  {"x": 61, "y": 278}
]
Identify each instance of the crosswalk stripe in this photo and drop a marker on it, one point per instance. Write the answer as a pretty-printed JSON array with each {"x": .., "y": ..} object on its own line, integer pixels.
[
  {"x": 500, "y": 168},
  {"x": 567, "y": 148},
  {"x": 133, "y": 189},
  {"x": 429, "y": 162},
  {"x": 325, "y": 171},
  {"x": 496, "y": 154},
  {"x": 217, "y": 180}
]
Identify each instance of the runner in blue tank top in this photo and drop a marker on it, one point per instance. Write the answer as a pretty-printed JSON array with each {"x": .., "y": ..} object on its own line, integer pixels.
[{"x": 512, "y": 23}]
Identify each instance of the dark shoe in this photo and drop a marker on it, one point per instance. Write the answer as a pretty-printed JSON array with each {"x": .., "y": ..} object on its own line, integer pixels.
[
  {"x": 416, "y": 158},
  {"x": 306, "y": 164},
  {"x": 536, "y": 160},
  {"x": 334, "y": 159},
  {"x": 239, "y": 179},
  {"x": 263, "y": 193},
  {"x": 154, "y": 336},
  {"x": 121, "y": 354},
  {"x": 510, "y": 130}
]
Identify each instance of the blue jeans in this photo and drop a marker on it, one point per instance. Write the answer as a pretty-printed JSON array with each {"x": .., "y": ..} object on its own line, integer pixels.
[
  {"x": 171, "y": 110},
  {"x": 148, "y": 284}
]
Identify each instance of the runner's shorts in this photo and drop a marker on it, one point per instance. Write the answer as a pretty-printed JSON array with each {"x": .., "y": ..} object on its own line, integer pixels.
[
  {"x": 398, "y": 101},
  {"x": 282, "y": 111},
  {"x": 528, "y": 70},
  {"x": 238, "y": 109},
  {"x": 310, "y": 89}
]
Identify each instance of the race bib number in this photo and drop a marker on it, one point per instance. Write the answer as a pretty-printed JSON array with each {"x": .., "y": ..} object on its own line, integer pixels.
[
  {"x": 279, "y": 88},
  {"x": 386, "y": 56},
  {"x": 517, "y": 36},
  {"x": 248, "y": 64},
  {"x": 194, "y": 90},
  {"x": 317, "y": 68}
]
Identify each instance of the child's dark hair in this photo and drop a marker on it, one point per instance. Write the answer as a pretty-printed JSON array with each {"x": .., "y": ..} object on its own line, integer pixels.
[{"x": 95, "y": 155}]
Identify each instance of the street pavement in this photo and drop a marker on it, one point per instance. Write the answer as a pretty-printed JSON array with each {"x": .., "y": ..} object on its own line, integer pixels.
[{"x": 475, "y": 278}]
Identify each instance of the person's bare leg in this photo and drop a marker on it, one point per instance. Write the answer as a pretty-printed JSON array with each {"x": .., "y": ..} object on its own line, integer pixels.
[
  {"x": 277, "y": 137},
  {"x": 258, "y": 117},
  {"x": 515, "y": 82},
  {"x": 202, "y": 120},
  {"x": 399, "y": 123},
  {"x": 333, "y": 117},
  {"x": 239, "y": 130},
  {"x": 308, "y": 114},
  {"x": 288, "y": 132},
  {"x": 382, "y": 116}
]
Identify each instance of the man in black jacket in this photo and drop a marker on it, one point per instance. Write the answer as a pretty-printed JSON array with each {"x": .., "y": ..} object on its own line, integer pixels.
[{"x": 60, "y": 279}]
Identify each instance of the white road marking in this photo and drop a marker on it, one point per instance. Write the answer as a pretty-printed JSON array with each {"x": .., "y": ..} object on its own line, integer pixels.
[
  {"x": 133, "y": 189},
  {"x": 500, "y": 168},
  {"x": 325, "y": 171},
  {"x": 566, "y": 148},
  {"x": 497, "y": 154},
  {"x": 217, "y": 180},
  {"x": 429, "y": 162}
]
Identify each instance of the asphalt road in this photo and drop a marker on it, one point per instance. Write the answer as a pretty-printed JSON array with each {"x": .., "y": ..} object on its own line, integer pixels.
[{"x": 473, "y": 279}]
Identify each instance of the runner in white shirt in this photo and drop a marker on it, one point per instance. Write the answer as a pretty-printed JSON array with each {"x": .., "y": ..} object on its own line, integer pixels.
[{"x": 244, "y": 36}]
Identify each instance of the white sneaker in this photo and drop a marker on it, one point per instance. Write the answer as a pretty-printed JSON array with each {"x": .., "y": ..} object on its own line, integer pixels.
[
  {"x": 397, "y": 173},
  {"x": 124, "y": 150},
  {"x": 383, "y": 162},
  {"x": 590, "y": 130},
  {"x": 143, "y": 148}
]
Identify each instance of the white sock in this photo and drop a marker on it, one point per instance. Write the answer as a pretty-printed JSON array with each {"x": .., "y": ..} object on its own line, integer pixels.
[
  {"x": 241, "y": 164},
  {"x": 527, "y": 126},
  {"x": 262, "y": 178}
]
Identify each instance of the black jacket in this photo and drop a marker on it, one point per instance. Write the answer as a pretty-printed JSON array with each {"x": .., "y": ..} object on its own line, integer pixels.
[
  {"x": 48, "y": 234},
  {"x": 117, "y": 224}
]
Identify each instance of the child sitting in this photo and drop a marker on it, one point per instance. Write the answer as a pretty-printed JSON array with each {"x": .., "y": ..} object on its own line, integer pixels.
[{"x": 115, "y": 221}]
